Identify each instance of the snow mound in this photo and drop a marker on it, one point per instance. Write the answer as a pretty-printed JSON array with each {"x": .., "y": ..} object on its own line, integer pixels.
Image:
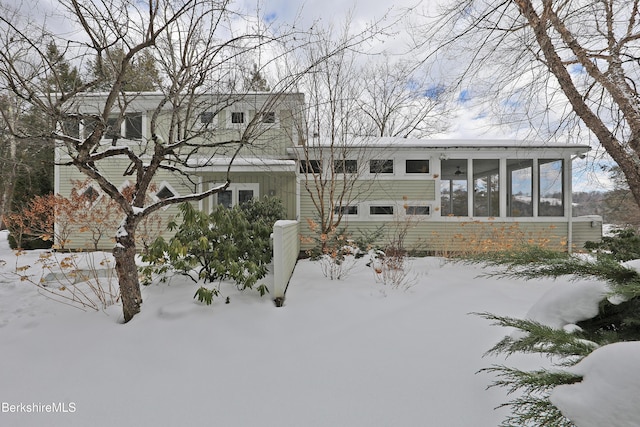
[
  {"x": 634, "y": 264},
  {"x": 565, "y": 305},
  {"x": 609, "y": 393}
]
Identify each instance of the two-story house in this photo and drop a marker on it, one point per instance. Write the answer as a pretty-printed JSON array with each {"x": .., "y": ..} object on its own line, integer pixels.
[{"x": 445, "y": 192}]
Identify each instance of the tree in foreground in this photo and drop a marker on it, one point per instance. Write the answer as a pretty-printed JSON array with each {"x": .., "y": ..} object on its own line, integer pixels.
[
  {"x": 557, "y": 66},
  {"x": 196, "y": 48},
  {"x": 615, "y": 320}
]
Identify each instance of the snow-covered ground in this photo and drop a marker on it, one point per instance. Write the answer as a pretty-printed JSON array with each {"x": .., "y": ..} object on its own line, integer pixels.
[{"x": 339, "y": 353}]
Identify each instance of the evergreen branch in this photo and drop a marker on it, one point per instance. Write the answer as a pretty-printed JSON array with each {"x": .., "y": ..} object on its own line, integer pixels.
[
  {"x": 539, "y": 338},
  {"x": 532, "y": 407},
  {"x": 534, "y": 262}
]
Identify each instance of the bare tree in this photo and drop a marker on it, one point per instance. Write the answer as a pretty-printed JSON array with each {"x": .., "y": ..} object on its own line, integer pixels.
[
  {"x": 561, "y": 65},
  {"x": 328, "y": 162},
  {"x": 398, "y": 99},
  {"x": 198, "y": 46},
  {"x": 8, "y": 155}
]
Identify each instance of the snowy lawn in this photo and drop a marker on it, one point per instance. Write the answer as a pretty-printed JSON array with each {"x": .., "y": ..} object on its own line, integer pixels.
[{"x": 339, "y": 353}]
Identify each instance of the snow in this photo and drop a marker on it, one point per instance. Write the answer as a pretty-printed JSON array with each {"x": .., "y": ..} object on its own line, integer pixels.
[
  {"x": 339, "y": 353},
  {"x": 609, "y": 394},
  {"x": 563, "y": 306}
]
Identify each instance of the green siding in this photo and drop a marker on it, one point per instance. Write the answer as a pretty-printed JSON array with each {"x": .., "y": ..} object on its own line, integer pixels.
[
  {"x": 441, "y": 236},
  {"x": 274, "y": 184},
  {"x": 380, "y": 190}
]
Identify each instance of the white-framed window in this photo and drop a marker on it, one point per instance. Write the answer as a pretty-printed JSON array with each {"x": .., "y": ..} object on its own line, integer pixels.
[
  {"x": 237, "y": 117},
  {"x": 268, "y": 117},
  {"x": 92, "y": 194},
  {"x": 418, "y": 210},
  {"x": 206, "y": 117},
  {"x": 310, "y": 166},
  {"x": 164, "y": 191},
  {"x": 350, "y": 210},
  {"x": 380, "y": 209},
  {"x": 417, "y": 166},
  {"x": 381, "y": 166},
  {"x": 236, "y": 194},
  {"x": 345, "y": 166},
  {"x": 131, "y": 126}
]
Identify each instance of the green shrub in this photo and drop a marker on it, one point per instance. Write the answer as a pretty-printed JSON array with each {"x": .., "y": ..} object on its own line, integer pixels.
[
  {"x": 29, "y": 242},
  {"x": 613, "y": 323},
  {"x": 228, "y": 244},
  {"x": 623, "y": 245}
]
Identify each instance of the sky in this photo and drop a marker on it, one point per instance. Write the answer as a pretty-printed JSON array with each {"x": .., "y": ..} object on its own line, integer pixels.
[{"x": 469, "y": 119}]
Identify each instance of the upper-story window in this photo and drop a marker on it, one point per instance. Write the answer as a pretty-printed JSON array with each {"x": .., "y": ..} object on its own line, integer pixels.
[
  {"x": 71, "y": 128},
  {"x": 165, "y": 193},
  {"x": 417, "y": 166},
  {"x": 310, "y": 166},
  {"x": 268, "y": 117},
  {"x": 133, "y": 126},
  {"x": 129, "y": 127},
  {"x": 206, "y": 117},
  {"x": 113, "y": 128},
  {"x": 237, "y": 117}
]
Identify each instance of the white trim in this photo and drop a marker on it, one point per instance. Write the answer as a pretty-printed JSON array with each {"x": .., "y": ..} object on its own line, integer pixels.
[
  {"x": 94, "y": 185},
  {"x": 399, "y": 210},
  {"x": 234, "y": 188},
  {"x": 162, "y": 185}
]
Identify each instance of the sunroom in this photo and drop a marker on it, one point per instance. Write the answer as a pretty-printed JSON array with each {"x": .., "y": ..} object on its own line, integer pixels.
[{"x": 455, "y": 194}]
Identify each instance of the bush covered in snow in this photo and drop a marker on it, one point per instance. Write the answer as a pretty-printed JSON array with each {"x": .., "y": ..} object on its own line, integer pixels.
[
  {"x": 598, "y": 307},
  {"x": 227, "y": 244}
]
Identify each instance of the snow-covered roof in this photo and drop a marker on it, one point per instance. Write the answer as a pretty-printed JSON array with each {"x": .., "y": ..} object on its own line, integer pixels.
[
  {"x": 241, "y": 164},
  {"x": 397, "y": 142}
]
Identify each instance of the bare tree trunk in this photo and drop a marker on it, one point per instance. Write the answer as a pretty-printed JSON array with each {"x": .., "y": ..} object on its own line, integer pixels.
[
  {"x": 621, "y": 93},
  {"x": 127, "y": 271},
  {"x": 9, "y": 173}
]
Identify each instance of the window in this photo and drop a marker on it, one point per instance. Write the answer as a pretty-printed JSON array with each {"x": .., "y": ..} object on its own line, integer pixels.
[
  {"x": 417, "y": 166},
  {"x": 380, "y": 166},
  {"x": 237, "y": 117},
  {"x": 71, "y": 128},
  {"x": 133, "y": 126},
  {"x": 310, "y": 166},
  {"x": 380, "y": 210},
  {"x": 88, "y": 126},
  {"x": 236, "y": 194},
  {"x": 346, "y": 210},
  {"x": 486, "y": 187},
  {"x": 551, "y": 201},
  {"x": 244, "y": 196},
  {"x": 225, "y": 198},
  {"x": 165, "y": 193},
  {"x": 206, "y": 117},
  {"x": 345, "y": 166},
  {"x": 91, "y": 194},
  {"x": 520, "y": 175},
  {"x": 268, "y": 117},
  {"x": 454, "y": 188},
  {"x": 113, "y": 128},
  {"x": 418, "y": 210}
]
